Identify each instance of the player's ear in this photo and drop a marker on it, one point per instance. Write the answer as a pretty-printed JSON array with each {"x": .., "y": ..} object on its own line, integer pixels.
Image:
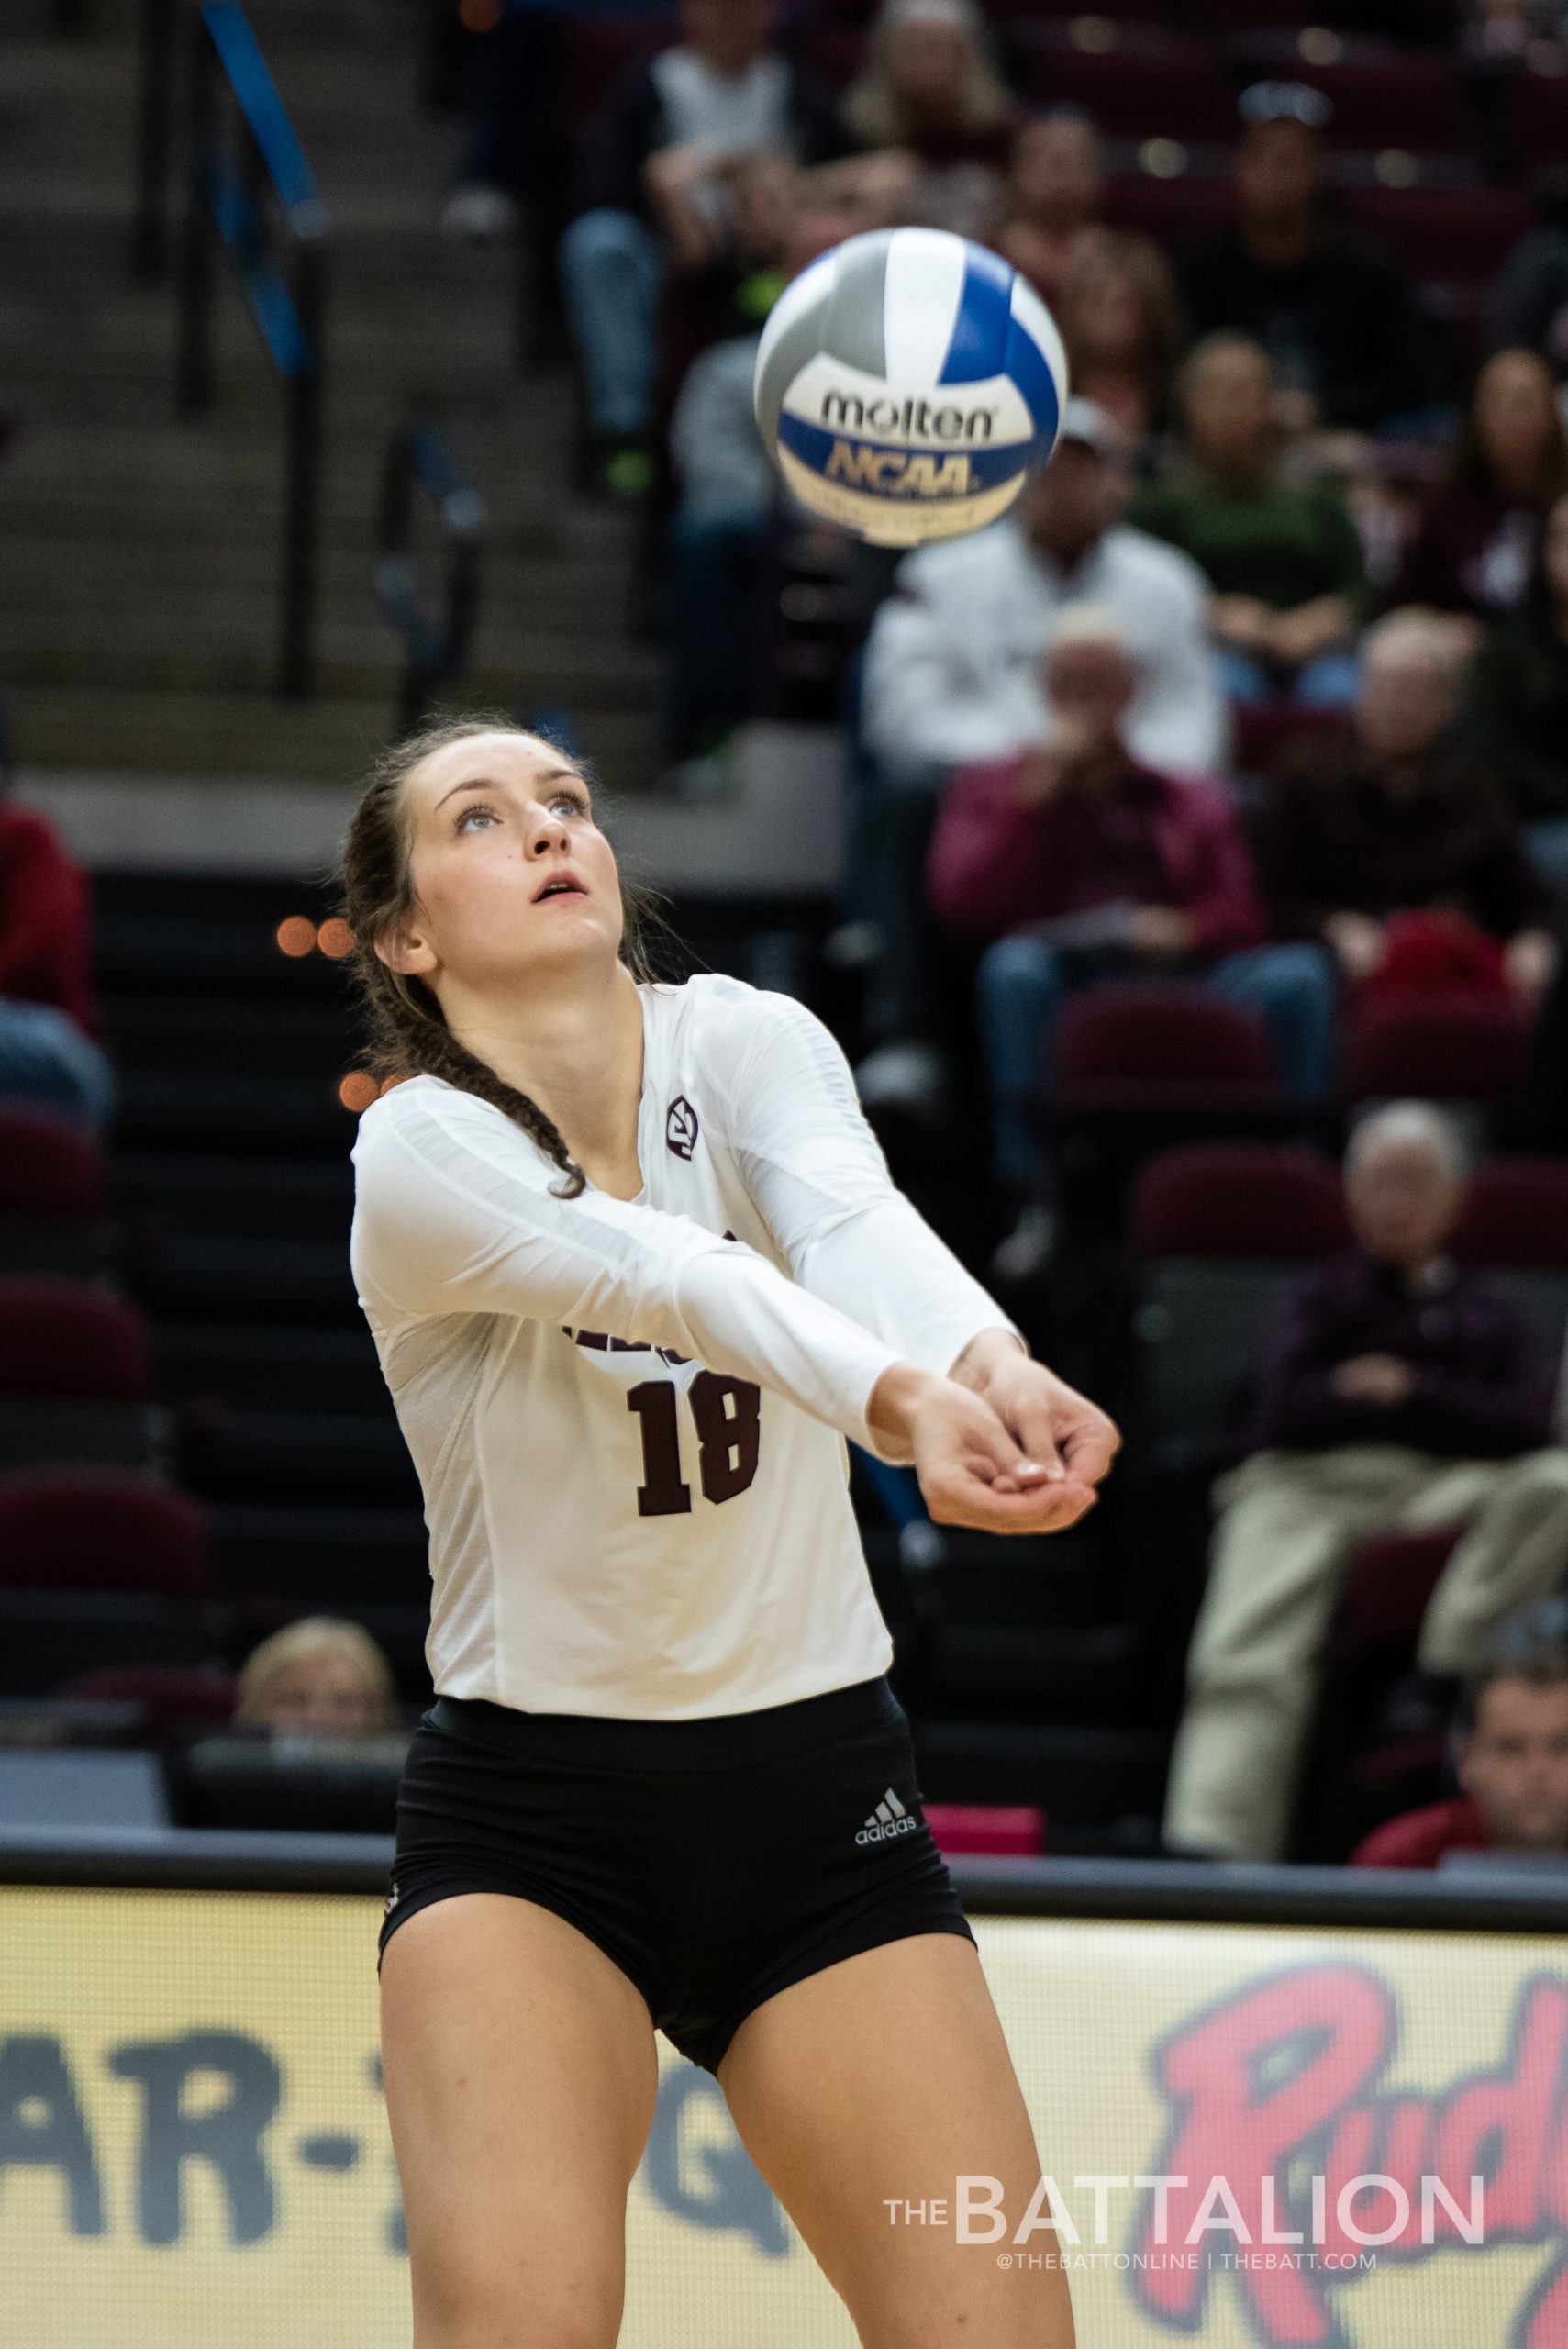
[{"x": 403, "y": 948}]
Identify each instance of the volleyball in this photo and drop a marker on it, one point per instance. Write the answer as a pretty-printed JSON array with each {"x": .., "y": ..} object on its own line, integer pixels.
[{"x": 907, "y": 384}]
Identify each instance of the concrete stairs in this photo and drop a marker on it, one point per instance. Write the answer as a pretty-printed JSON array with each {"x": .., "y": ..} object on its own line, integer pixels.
[{"x": 139, "y": 552}]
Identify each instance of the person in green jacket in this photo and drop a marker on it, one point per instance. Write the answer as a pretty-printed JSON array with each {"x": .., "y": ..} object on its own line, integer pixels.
[
  {"x": 1283, "y": 558},
  {"x": 1519, "y": 702}
]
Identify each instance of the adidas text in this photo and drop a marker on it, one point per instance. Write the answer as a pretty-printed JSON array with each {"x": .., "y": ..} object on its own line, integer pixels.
[{"x": 889, "y": 1818}]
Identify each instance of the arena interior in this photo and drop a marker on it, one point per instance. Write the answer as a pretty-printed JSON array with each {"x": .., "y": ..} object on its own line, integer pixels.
[{"x": 1206, "y": 821}]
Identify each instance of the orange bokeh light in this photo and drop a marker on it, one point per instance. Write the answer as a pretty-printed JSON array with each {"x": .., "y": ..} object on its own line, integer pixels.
[
  {"x": 357, "y": 1091},
  {"x": 295, "y": 935},
  {"x": 335, "y": 938}
]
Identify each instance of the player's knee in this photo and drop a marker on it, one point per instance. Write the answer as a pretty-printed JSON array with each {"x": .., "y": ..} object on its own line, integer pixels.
[{"x": 546, "y": 2312}]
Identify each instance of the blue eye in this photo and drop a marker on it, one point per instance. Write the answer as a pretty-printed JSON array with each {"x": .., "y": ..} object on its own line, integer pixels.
[{"x": 467, "y": 812}]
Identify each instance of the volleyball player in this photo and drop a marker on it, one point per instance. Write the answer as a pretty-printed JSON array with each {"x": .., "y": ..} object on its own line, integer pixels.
[{"x": 635, "y": 1270}]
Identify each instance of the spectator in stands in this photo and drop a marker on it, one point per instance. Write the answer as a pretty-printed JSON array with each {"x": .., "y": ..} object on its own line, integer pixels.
[
  {"x": 953, "y": 674},
  {"x": 1511, "y": 1759},
  {"x": 1335, "y": 314},
  {"x": 1470, "y": 549},
  {"x": 1390, "y": 815},
  {"x": 1051, "y": 208},
  {"x": 727, "y": 483},
  {"x": 953, "y": 670},
  {"x": 931, "y": 87},
  {"x": 50, "y": 1023},
  {"x": 1080, "y": 862},
  {"x": 321, "y": 1675},
  {"x": 1519, "y": 702},
  {"x": 1121, "y": 323},
  {"x": 649, "y": 182},
  {"x": 1284, "y": 561},
  {"x": 1399, "y": 1392}
]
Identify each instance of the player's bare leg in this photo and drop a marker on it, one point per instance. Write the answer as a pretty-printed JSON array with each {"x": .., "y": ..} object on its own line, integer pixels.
[{"x": 879, "y": 2080}]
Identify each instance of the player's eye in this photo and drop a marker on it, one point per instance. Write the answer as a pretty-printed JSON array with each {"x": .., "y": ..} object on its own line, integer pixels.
[{"x": 480, "y": 809}]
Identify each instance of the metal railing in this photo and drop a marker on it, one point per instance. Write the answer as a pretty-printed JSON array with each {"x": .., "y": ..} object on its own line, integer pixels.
[
  {"x": 419, "y": 461},
  {"x": 250, "y": 195}
]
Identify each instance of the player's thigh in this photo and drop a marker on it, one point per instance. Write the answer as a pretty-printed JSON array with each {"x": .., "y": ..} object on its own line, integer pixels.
[
  {"x": 883, "y": 2080},
  {"x": 521, "y": 2077}
]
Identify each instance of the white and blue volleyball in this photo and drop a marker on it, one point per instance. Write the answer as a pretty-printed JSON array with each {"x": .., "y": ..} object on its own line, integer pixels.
[{"x": 907, "y": 384}]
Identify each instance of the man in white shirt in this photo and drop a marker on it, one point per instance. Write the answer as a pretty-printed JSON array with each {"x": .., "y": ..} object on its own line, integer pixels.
[
  {"x": 953, "y": 673},
  {"x": 954, "y": 676}
]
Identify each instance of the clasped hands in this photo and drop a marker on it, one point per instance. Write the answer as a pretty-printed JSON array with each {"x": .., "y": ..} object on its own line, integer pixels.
[{"x": 1001, "y": 1444}]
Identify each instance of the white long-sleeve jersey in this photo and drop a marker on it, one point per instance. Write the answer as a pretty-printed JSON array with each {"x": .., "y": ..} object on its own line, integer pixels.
[{"x": 629, "y": 1418}]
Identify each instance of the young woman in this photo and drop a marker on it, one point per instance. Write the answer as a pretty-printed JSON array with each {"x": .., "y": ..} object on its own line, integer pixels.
[{"x": 635, "y": 1269}]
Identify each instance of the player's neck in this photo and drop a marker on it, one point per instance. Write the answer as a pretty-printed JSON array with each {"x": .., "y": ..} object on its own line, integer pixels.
[{"x": 577, "y": 1054}]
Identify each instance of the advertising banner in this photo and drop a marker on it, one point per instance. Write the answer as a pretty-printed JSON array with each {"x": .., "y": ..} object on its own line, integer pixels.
[{"x": 1269, "y": 2136}]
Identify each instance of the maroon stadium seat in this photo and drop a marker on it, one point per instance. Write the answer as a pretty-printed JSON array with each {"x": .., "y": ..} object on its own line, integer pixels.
[
  {"x": 1158, "y": 1041},
  {"x": 1251, "y": 1199},
  {"x": 94, "y": 1529},
  {"x": 1442, "y": 1047},
  {"x": 1143, "y": 86},
  {"x": 71, "y": 1340},
  {"x": 1449, "y": 235},
  {"x": 171, "y": 1695},
  {"x": 1388, "y": 1581},
  {"x": 1538, "y": 111},
  {"x": 1516, "y": 1214},
  {"x": 52, "y": 1170}
]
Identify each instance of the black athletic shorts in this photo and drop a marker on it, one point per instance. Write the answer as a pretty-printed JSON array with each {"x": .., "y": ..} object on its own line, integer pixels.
[{"x": 716, "y": 1861}]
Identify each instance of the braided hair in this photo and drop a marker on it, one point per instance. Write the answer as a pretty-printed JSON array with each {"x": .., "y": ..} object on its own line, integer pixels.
[{"x": 408, "y": 1032}]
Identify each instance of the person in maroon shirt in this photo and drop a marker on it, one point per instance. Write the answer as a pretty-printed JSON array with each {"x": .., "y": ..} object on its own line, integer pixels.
[
  {"x": 1512, "y": 1760},
  {"x": 50, "y": 1025},
  {"x": 1080, "y": 863},
  {"x": 1401, "y": 1391}
]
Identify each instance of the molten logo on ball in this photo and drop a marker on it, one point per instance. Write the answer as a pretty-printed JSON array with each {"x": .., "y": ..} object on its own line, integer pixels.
[{"x": 885, "y": 353}]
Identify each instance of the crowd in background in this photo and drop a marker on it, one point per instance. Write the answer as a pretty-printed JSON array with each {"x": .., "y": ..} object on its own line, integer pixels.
[{"x": 1261, "y": 690}]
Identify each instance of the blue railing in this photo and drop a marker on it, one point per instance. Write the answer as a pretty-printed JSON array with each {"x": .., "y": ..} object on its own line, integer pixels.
[
  {"x": 419, "y": 459},
  {"x": 252, "y": 198}
]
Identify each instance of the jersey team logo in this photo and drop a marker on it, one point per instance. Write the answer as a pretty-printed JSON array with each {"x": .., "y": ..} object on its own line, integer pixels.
[{"x": 681, "y": 1127}]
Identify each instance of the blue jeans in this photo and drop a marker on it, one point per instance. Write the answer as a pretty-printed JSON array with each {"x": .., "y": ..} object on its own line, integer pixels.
[
  {"x": 1546, "y": 845},
  {"x": 1023, "y": 983},
  {"x": 714, "y": 623},
  {"x": 44, "y": 1056},
  {"x": 1328, "y": 683},
  {"x": 611, "y": 272}
]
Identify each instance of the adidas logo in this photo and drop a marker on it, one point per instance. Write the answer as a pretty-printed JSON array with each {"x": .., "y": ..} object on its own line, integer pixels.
[
  {"x": 889, "y": 1818},
  {"x": 391, "y": 1901}
]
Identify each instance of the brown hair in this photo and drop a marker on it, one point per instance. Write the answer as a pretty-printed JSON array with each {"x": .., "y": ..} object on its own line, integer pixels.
[
  {"x": 1163, "y": 329},
  {"x": 408, "y": 1032}
]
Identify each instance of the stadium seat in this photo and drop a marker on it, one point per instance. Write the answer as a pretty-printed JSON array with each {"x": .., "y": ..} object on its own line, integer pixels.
[
  {"x": 52, "y": 1194},
  {"x": 1538, "y": 107},
  {"x": 1140, "y": 84},
  {"x": 1444, "y": 234},
  {"x": 172, "y": 1697},
  {"x": 1388, "y": 1581},
  {"x": 1517, "y": 1213},
  {"x": 1220, "y": 1232},
  {"x": 1441, "y": 1047},
  {"x": 1107, "y": 1782},
  {"x": 1158, "y": 1043},
  {"x": 76, "y": 1380},
  {"x": 98, "y": 1529}
]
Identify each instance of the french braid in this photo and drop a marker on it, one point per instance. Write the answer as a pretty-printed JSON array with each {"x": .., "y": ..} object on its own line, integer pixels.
[{"x": 408, "y": 1033}]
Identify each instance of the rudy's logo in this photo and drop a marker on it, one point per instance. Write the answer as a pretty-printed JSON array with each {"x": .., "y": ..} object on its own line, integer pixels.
[
  {"x": 1286, "y": 2077},
  {"x": 680, "y": 1127},
  {"x": 897, "y": 472}
]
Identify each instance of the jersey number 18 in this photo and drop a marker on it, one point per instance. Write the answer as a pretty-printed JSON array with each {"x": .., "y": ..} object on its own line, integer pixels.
[{"x": 729, "y": 1414}]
